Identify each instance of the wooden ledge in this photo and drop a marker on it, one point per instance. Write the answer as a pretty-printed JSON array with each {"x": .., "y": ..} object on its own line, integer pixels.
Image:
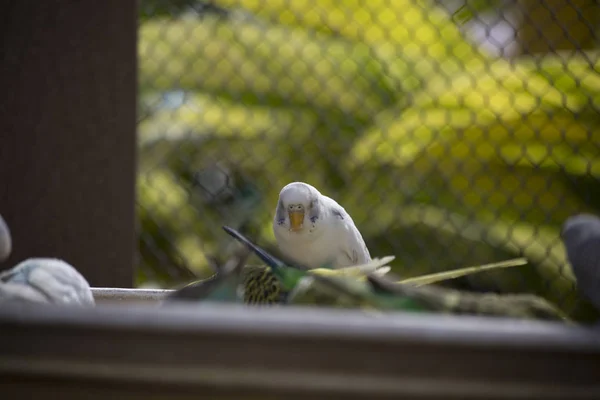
[{"x": 183, "y": 351}]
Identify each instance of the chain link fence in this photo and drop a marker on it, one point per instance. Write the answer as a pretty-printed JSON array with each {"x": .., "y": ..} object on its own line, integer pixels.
[{"x": 455, "y": 133}]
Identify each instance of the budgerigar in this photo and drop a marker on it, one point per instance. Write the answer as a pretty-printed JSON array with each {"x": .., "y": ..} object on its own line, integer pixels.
[
  {"x": 262, "y": 286},
  {"x": 271, "y": 284},
  {"x": 385, "y": 295},
  {"x": 378, "y": 293},
  {"x": 450, "y": 301},
  {"x": 224, "y": 286},
  {"x": 313, "y": 230},
  {"x": 581, "y": 237},
  {"x": 252, "y": 284}
]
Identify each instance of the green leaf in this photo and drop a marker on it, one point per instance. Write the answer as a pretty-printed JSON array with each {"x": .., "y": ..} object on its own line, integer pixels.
[{"x": 420, "y": 29}]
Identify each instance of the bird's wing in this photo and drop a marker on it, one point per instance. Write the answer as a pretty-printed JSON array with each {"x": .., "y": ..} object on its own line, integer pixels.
[{"x": 353, "y": 245}]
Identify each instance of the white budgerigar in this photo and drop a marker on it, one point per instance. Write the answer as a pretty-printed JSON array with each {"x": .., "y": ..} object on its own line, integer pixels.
[{"x": 313, "y": 230}]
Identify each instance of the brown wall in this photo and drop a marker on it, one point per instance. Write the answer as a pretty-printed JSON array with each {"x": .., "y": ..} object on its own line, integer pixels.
[{"x": 67, "y": 133}]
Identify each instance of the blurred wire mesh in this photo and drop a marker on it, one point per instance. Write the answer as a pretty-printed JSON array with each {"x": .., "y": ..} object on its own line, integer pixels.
[{"x": 455, "y": 133}]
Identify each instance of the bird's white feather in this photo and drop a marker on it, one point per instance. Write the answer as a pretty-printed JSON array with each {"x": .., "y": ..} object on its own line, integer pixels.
[{"x": 332, "y": 239}]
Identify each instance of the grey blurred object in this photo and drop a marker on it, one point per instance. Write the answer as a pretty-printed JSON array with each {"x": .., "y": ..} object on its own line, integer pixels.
[
  {"x": 45, "y": 280},
  {"x": 5, "y": 240},
  {"x": 217, "y": 183},
  {"x": 581, "y": 236}
]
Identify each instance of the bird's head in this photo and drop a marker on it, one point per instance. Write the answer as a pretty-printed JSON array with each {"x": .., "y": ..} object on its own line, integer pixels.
[{"x": 298, "y": 207}]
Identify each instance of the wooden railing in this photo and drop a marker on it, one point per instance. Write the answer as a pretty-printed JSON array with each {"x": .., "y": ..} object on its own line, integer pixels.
[{"x": 130, "y": 346}]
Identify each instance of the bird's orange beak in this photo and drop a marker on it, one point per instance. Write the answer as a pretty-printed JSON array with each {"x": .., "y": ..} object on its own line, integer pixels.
[{"x": 296, "y": 220}]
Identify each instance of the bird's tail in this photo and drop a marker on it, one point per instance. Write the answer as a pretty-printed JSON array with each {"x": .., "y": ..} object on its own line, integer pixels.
[
  {"x": 269, "y": 259},
  {"x": 220, "y": 287}
]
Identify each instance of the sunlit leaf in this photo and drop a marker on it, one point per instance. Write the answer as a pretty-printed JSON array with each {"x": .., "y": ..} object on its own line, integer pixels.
[
  {"x": 262, "y": 63},
  {"x": 421, "y": 28}
]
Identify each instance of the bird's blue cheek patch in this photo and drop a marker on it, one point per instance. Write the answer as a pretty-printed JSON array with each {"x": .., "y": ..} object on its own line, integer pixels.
[
  {"x": 313, "y": 220},
  {"x": 280, "y": 222}
]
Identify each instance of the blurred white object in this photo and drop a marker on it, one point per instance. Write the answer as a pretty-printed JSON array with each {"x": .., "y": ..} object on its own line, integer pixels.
[
  {"x": 45, "y": 280},
  {"x": 314, "y": 230},
  {"x": 5, "y": 240}
]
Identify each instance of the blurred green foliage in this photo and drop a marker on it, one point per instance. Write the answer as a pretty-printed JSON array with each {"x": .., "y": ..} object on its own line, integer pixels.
[{"x": 444, "y": 156}]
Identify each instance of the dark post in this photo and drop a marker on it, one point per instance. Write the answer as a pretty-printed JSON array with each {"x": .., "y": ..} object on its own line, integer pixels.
[
  {"x": 67, "y": 134},
  {"x": 558, "y": 25}
]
